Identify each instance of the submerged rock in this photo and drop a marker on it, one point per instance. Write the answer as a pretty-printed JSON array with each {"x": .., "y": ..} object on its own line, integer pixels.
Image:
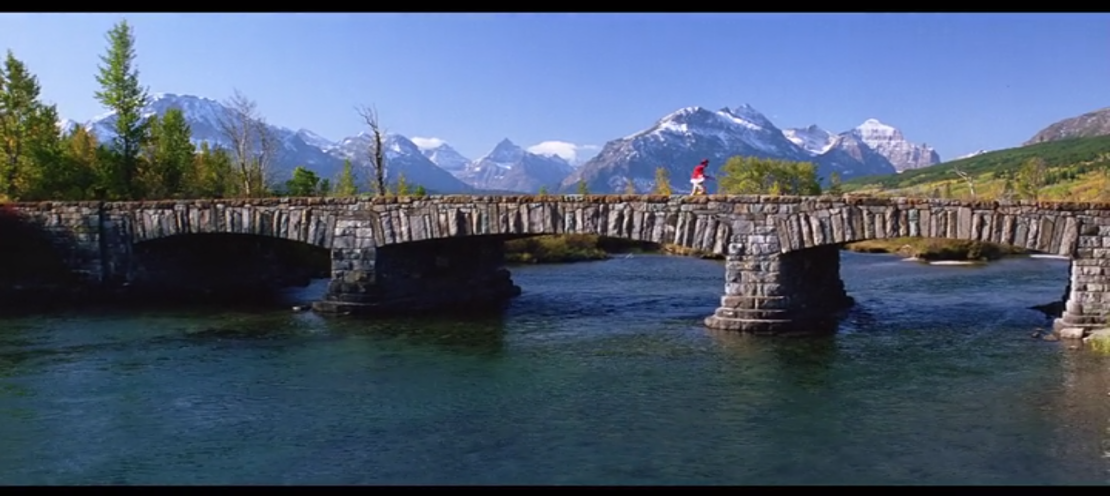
[{"x": 1071, "y": 333}]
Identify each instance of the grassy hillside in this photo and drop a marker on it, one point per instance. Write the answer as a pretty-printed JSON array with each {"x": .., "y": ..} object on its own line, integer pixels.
[{"x": 1077, "y": 169}]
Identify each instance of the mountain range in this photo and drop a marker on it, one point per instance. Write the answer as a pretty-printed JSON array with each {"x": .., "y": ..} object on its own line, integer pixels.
[{"x": 675, "y": 142}]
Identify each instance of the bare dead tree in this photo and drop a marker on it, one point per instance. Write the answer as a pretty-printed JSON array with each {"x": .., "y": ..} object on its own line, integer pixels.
[
  {"x": 967, "y": 178},
  {"x": 252, "y": 145},
  {"x": 265, "y": 157},
  {"x": 376, "y": 151}
]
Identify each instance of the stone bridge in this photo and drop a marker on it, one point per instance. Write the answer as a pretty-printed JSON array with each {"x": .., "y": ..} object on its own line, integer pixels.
[{"x": 782, "y": 259}]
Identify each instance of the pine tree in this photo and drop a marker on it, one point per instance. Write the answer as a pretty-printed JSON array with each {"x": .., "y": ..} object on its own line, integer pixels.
[
  {"x": 74, "y": 175},
  {"x": 213, "y": 175},
  {"x": 834, "y": 184},
  {"x": 24, "y": 122},
  {"x": 662, "y": 182},
  {"x": 402, "y": 185},
  {"x": 304, "y": 183},
  {"x": 43, "y": 153},
  {"x": 347, "y": 185},
  {"x": 629, "y": 187},
  {"x": 542, "y": 191},
  {"x": 121, "y": 93},
  {"x": 582, "y": 189},
  {"x": 175, "y": 151},
  {"x": 420, "y": 191}
]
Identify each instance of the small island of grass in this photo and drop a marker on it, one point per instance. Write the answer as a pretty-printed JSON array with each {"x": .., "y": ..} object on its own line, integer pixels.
[
  {"x": 568, "y": 248},
  {"x": 930, "y": 249}
]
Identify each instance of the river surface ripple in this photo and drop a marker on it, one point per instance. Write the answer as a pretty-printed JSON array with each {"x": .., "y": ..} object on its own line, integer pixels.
[{"x": 600, "y": 373}]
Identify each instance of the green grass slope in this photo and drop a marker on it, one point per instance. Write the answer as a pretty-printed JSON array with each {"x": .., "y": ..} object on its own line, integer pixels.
[{"x": 1074, "y": 166}]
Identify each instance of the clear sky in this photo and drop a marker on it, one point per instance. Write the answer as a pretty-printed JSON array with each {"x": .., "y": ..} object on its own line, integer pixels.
[{"x": 959, "y": 82}]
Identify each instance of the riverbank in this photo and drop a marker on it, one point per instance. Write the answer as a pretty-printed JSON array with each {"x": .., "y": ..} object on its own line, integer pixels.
[
  {"x": 570, "y": 248},
  {"x": 936, "y": 250}
]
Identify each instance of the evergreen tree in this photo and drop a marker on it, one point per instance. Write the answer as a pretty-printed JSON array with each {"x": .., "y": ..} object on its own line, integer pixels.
[
  {"x": 213, "y": 175},
  {"x": 629, "y": 186},
  {"x": 73, "y": 176},
  {"x": 325, "y": 188},
  {"x": 402, "y": 185},
  {"x": 662, "y": 182},
  {"x": 347, "y": 185},
  {"x": 304, "y": 183},
  {"x": 834, "y": 184},
  {"x": 43, "y": 152},
  {"x": 121, "y": 93},
  {"x": 582, "y": 189},
  {"x": 420, "y": 191},
  {"x": 24, "y": 124},
  {"x": 175, "y": 151},
  {"x": 542, "y": 191}
]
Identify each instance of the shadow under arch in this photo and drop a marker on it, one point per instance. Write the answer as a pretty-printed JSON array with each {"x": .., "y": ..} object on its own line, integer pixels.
[
  {"x": 222, "y": 268},
  {"x": 36, "y": 265}
]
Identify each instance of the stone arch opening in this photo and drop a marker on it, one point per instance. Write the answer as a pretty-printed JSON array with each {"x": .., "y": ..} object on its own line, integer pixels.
[{"x": 223, "y": 267}]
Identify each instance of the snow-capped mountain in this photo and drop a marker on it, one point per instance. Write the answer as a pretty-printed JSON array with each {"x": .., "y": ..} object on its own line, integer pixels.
[
  {"x": 441, "y": 154},
  {"x": 297, "y": 148},
  {"x": 682, "y": 138},
  {"x": 509, "y": 167},
  {"x": 812, "y": 139},
  {"x": 676, "y": 142},
  {"x": 875, "y": 146},
  {"x": 402, "y": 156},
  {"x": 848, "y": 154},
  {"x": 890, "y": 143},
  {"x": 574, "y": 154}
]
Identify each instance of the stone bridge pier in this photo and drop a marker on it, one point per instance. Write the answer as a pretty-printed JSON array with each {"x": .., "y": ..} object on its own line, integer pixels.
[
  {"x": 768, "y": 292},
  {"x": 452, "y": 274}
]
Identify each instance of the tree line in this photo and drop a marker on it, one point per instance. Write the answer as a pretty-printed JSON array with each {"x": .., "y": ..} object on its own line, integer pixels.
[{"x": 152, "y": 157}]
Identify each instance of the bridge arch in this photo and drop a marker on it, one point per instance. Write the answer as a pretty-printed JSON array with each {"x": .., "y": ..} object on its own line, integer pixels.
[
  {"x": 1048, "y": 231},
  {"x": 660, "y": 220},
  {"x": 303, "y": 224}
]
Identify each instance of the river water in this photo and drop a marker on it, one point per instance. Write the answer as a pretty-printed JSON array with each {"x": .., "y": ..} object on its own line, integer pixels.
[{"x": 600, "y": 373}]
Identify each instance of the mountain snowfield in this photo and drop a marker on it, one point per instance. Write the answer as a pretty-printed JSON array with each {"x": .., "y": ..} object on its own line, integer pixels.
[
  {"x": 675, "y": 142},
  {"x": 683, "y": 137}
]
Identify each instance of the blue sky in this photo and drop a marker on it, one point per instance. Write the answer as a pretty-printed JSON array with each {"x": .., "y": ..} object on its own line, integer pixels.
[{"x": 959, "y": 82}]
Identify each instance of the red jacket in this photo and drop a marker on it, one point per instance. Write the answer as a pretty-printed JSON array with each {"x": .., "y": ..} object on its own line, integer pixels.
[{"x": 699, "y": 172}]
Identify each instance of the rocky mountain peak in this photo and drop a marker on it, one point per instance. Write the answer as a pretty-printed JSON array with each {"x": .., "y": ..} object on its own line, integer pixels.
[
  {"x": 1091, "y": 124},
  {"x": 889, "y": 142}
]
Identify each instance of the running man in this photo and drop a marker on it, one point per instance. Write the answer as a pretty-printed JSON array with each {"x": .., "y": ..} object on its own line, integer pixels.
[{"x": 698, "y": 178}]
